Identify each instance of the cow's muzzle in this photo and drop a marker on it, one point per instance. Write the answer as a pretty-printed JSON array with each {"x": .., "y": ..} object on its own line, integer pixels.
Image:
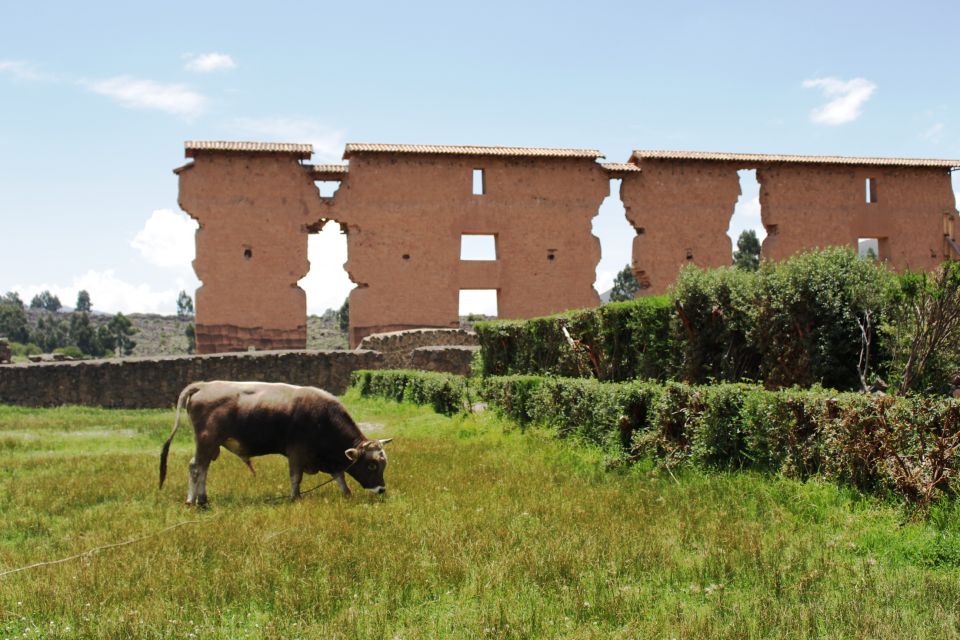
[{"x": 377, "y": 490}]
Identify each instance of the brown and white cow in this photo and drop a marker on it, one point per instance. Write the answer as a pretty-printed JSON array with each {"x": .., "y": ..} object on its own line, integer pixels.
[{"x": 307, "y": 425}]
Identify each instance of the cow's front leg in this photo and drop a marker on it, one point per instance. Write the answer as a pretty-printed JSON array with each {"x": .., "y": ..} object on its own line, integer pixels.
[
  {"x": 201, "y": 482},
  {"x": 342, "y": 483},
  {"x": 296, "y": 475}
]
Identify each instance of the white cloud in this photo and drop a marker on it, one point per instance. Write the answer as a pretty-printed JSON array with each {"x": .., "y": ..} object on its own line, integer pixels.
[
  {"x": 847, "y": 98},
  {"x": 327, "y": 284},
  {"x": 208, "y": 62},
  {"x": 176, "y": 99},
  {"x": 327, "y": 143},
  {"x": 21, "y": 70},
  {"x": 110, "y": 294},
  {"x": 167, "y": 239}
]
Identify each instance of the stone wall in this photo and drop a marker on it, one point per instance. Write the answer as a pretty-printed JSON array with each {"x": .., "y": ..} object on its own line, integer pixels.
[
  {"x": 446, "y": 359},
  {"x": 397, "y": 346},
  {"x": 5, "y": 355},
  {"x": 156, "y": 382}
]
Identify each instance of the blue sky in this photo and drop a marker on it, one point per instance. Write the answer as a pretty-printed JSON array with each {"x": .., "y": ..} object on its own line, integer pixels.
[{"x": 96, "y": 100}]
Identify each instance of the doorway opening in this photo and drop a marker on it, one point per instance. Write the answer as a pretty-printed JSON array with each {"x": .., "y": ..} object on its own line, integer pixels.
[
  {"x": 746, "y": 213},
  {"x": 327, "y": 286}
]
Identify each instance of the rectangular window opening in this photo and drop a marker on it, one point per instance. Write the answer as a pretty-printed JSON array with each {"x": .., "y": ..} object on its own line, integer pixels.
[
  {"x": 327, "y": 187},
  {"x": 478, "y": 247},
  {"x": 479, "y": 304},
  {"x": 874, "y": 248},
  {"x": 478, "y": 183},
  {"x": 871, "y": 190}
]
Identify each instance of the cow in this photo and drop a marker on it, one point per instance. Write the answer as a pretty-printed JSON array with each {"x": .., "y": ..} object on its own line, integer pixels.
[{"x": 307, "y": 425}]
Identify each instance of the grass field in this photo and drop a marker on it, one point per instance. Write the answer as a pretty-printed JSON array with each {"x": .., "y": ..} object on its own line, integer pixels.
[{"x": 485, "y": 532}]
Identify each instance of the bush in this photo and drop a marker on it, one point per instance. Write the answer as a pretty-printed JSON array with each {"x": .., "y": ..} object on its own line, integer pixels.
[
  {"x": 618, "y": 341},
  {"x": 907, "y": 446},
  {"x": 715, "y": 320},
  {"x": 813, "y": 311},
  {"x": 446, "y": 393}
]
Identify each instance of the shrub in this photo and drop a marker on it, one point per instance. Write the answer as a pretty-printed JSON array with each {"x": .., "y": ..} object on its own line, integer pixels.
[
  {"x": 446, "y": 393},
  {"x": 715, "y": 320},
  {"x": 814, "y": 311},
  {"x": 618, "y": 341}
]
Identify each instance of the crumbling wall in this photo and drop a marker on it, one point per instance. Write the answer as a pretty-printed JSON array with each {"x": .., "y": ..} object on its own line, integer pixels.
[
  {"x": 254, "y": 211},
  {"x": 137, "y": 383},
  {"x": 406, "y": 213},
  {"x": 805, "y": 206},
  {"x": 680, "y": 210},
  {"x": 397, "y": 346}
]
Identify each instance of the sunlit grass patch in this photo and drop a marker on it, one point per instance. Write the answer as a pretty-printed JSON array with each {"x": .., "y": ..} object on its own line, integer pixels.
[{"x": 486, "y": 531}]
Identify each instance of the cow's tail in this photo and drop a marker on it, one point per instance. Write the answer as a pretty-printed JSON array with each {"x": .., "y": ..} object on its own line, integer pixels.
[{"x": 182, "y": 401}]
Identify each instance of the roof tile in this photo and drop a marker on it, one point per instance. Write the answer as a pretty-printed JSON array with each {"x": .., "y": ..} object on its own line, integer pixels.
[
  {"x": 762, "y": 158},
  {"x": 301, "y": 150},
  {"x": 460, "y": 150}
]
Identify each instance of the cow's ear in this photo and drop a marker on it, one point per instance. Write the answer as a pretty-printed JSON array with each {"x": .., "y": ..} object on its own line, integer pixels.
[
  {"x": 352, "y": 454},
  {"x": 386, "y": 440}
]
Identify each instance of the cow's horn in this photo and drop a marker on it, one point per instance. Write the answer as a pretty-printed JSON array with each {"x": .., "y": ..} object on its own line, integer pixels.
[
  {"x": 352, "y": 454},
  {"x": 386, "y": 440}
]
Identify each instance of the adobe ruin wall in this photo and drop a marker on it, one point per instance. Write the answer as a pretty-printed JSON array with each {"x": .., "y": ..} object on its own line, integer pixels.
[{"x": 406, "y": 208}]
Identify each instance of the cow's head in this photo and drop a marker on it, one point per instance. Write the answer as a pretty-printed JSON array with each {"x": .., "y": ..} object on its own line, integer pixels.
[{"x": 367, "y": 464}]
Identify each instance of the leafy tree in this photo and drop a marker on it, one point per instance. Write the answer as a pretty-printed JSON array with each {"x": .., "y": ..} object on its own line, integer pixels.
[
  {"x": 46, "y": 300},
  {"x": 13, "y": 318},
  {"x": 84, "y": 336},
  {"x": 625, "y": 286},
  {"x": 747, "y": 255},
  {"x": 343, "y": 316},
  {"x": 184, "y": 305},
  {"x": 191, "y": 333},
  {"x": 83, "y": 301},
  {"x": 121, "y": 329},
  {"x": 51, "y": 332},
  {"x": 12, "y": 297}
]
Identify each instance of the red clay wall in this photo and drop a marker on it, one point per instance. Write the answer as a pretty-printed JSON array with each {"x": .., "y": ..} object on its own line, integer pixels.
[
  {"x": 253, "y": 211},
  {"x": 406, "y": 213},
  {"x": 822, "y": 205},
  {"x": 680, "y": 210}
]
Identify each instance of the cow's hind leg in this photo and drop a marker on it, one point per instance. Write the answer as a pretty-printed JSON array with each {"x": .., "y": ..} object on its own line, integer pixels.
[{"x": 192, "y": 481}]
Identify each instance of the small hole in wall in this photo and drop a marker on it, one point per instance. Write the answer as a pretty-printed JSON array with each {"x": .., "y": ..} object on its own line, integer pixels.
[
  {"x": 406, "y": 256},
  {"x": 641, "y": 231},
  {"x": 689, "y": 254},
  {"x": 247, "y": 253},
  {"x": 551, "y": 257}
]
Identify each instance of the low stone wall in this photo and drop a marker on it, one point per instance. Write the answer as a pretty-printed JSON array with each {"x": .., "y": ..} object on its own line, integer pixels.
[
  {"x": 397, "y": 346},
  {"x": 156, "y": 382},
  {"x": 447, "y": 359}
]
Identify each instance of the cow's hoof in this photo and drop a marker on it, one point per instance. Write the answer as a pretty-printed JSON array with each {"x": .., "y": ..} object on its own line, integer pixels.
[{"x": 202, "y": 502}]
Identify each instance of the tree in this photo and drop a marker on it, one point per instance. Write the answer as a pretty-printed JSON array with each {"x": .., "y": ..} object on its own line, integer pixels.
[
  {"x": 120, "y": 329},
  {"x": 343, "y": 316},
  {"x": 84, "y": 336},
  {"x": 46, "y": 300},
  {"x": 625, "y": 286},
  {"x": 83, "y": 301},
  {"x": 747, "y": 255},
  {"x": 184, "y": 305},
  {"x": 13, "y": 318},
  {"x": 12, "y": 297},
  {"x": 51, "y": 333},
  {"x": 191, "y": 333}
]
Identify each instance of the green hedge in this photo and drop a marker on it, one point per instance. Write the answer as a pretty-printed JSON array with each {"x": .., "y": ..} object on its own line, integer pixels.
[
  {"x": 907, "y": 446},
  {"x": 796, "y": 322},
  {"x": 446, "y": 393},
  {"x": 618, "y": 341}
]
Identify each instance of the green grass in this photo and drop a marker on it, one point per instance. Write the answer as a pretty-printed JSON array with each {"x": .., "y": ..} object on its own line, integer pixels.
[{"x": 486, "y": 532}]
